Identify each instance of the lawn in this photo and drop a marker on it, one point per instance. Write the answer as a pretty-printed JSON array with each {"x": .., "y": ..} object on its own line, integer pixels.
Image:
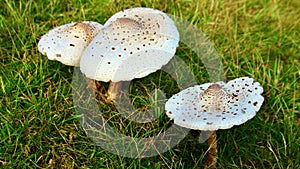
[{"x": 40, "y": 129}]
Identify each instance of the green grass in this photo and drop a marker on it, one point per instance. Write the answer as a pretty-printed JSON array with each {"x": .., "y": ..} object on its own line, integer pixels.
[{"x": 38, "y": 126}]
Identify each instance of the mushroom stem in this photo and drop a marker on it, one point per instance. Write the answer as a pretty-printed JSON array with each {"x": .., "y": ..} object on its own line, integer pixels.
[
  {"x": 91, "y": 84},
  {"x": 213, "y": 151},
  {"x": 113, "y": 91}
]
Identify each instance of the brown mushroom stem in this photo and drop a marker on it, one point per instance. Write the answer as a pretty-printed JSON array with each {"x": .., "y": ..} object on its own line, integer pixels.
[
  {"x": 91, "y": 84},
  {"x": 113, "y": 91},
  {"x": 213, "y": 151}
]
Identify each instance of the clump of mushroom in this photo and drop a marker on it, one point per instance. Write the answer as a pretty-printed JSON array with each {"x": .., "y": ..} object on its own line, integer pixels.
[
  {"x": 213, "y": 106},
  {"x": 132, "y": 44},
  {"x": 66, "y": 43}
]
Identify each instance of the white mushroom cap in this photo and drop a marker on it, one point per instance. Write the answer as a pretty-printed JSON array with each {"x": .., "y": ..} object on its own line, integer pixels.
[
  {"x": 132, "y": 44},
  {"x": 67, "y": 42},
  {"x": 213, "y": 106}
]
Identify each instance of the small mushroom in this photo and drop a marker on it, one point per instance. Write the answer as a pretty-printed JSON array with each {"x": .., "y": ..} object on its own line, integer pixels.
[
  {"x": 66, "y": 43},
  {"x": 132, "y": 44},
  {"x": 213, "y": 106}
]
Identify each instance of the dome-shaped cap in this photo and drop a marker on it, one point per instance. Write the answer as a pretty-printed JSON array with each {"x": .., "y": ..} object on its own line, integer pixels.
[
  {"x": 132, "y": 44},
  {"x": 66, "y": 43},
  {"x": 214, "y": 106}
]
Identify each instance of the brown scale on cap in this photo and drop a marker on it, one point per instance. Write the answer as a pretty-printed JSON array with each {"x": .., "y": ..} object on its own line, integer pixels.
[
  {"x": 89, "y": 31},
  {"x": 128, "y": 23},
  {"x": 214, "y": 97}
]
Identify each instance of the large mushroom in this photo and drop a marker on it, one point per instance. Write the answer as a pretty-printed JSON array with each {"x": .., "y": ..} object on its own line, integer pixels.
[
  {"x": 132, "y": 44},
  {"x": 66, "y": 43},
  {"x": 213, "y": 106}
]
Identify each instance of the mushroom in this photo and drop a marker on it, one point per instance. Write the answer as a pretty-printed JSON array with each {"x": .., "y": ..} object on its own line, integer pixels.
[
  {"x": 66, "y": 43},
  {"x": 132, "y": 44},
  {"x": 213, "y": 106}
]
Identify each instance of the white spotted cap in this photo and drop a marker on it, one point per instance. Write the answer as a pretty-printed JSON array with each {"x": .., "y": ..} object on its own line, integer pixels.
[
  {"x": 213, "y": 106},
  {"x": 132, "y": 44},
  {"x": 66, "y": 43}
]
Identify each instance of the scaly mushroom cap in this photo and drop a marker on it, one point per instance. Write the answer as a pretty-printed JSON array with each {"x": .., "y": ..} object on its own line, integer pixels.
[
  {"x": 67, "y": 42},
  {"x": 132, "y": 44},
  {"x": 213, "y": 106}
]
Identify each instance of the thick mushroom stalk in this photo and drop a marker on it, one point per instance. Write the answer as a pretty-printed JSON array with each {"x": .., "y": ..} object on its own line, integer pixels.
[
  {"x": 132, "y": 44},
  {"x": 213, "y": 150},
  {"x": 213, "y": 106},
  {"x": 113, "y": 91}
]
